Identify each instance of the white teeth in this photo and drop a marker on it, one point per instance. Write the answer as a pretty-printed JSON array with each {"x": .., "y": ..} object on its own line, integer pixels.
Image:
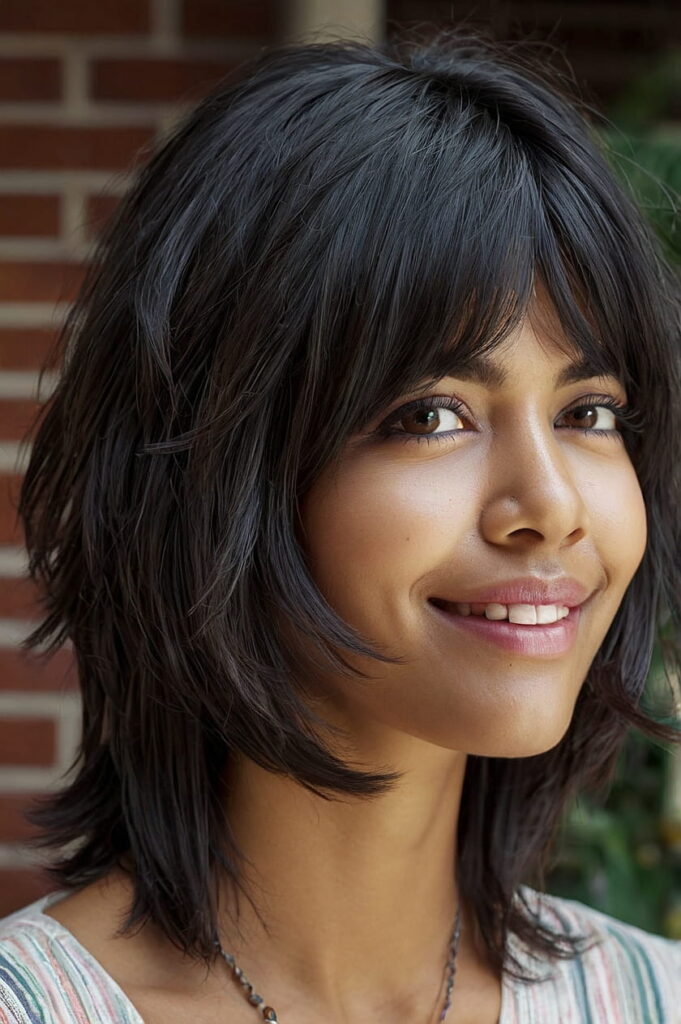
[{"x": 522, "y": 614}]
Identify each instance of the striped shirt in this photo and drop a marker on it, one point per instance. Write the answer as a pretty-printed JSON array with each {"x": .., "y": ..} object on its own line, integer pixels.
[{"x": 628, "y": 977}]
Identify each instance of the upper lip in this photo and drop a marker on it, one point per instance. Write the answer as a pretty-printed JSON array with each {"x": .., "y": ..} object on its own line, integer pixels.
[{"x": 562, "y": 590}]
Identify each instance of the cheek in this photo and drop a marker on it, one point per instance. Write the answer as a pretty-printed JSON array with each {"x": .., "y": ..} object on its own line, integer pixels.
[
  {"x": 618, "y": 514},
  {"x": 370, "y": 532}
]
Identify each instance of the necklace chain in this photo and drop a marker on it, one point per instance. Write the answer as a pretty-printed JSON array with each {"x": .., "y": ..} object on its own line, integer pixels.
[{"x": 269, "y": 1013}]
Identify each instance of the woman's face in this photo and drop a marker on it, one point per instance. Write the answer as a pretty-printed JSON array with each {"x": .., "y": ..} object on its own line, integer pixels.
[{"x": 516, "y": 489}]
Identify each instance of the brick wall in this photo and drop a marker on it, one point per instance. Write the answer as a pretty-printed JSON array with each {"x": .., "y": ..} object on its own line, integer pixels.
[{"x": 84, "y": 88}]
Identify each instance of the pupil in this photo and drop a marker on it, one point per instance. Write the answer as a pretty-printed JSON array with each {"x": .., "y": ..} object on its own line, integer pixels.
[{"x": 423, "y": 417}]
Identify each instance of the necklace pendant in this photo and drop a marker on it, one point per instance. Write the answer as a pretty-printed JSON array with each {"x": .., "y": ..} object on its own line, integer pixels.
[{"x": 269, "y": 1014}]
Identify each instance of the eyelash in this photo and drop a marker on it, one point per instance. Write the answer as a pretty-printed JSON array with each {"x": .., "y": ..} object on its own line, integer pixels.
[{"x": 629, "y": 419}]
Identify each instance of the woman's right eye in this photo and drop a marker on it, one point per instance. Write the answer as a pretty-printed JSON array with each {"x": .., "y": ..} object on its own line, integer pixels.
[{"x": 426, "y": 415}]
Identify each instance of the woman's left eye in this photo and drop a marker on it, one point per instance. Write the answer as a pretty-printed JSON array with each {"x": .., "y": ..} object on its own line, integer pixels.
[
  {"x": 601, "y": 416},
  {"x": 598, "y": 418}
]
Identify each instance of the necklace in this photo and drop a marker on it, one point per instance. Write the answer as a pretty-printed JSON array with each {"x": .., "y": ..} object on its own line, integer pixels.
[{"x": 269, "y": 1014}]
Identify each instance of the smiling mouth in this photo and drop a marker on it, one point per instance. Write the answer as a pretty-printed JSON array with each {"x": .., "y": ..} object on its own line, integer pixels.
[{"x": 529, "y": 638}]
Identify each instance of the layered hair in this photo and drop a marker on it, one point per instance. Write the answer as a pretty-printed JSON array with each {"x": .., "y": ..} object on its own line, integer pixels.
[{"x": 333, "y": 225}]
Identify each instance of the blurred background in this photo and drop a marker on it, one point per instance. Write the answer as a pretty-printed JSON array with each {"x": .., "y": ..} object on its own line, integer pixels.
[{"x": 85, "y": 90}]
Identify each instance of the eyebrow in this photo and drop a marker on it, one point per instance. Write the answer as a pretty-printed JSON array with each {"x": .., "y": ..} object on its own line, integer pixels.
[{"x": 481, "y": 370}]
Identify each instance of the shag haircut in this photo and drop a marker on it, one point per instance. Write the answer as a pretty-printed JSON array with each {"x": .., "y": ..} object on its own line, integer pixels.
[{"x": 333, "y": 225}]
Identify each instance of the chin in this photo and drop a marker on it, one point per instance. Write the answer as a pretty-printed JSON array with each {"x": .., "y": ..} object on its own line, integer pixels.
[
  {"x": 526, "y": 745},
  {"x": 530, "y": 738}
]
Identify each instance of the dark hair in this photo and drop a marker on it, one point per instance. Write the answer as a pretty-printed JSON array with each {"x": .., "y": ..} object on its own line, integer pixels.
[{"x": 333, "y": 224}]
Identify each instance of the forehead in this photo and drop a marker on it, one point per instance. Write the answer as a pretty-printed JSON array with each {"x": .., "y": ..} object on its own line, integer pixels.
[
  {"x": 493, "y": 371},
  {"x": 498, "y": 367}
]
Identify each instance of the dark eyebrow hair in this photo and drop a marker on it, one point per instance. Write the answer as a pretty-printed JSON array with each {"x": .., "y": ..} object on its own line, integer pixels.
[{"x": 482, "y": 370}]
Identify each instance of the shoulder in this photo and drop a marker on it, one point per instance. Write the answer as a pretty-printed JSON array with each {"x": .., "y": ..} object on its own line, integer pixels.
[
  {"x": 623, "y": 973},
  {"x": 24, "y": 966},
  {"x": 47, "y": 977}
]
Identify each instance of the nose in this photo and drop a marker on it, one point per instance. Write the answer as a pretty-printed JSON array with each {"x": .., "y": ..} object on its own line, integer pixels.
[{"x": 533, "y": 491}]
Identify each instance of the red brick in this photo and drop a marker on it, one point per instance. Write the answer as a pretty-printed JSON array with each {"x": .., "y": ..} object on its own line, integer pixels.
[
  {"x": 98, "y": 210},
  {"x": 24, "y": 281},
  {"x": 150, "y": 80},
  {"x": 27, "y": 741},
  {"x": 249, "y": 18},
  {"x": 19, "y": 886},
  {"x": 37, "y": 216},
  {"x": 13, "y": 826},
  {"x": 29, "y": 78},
  {"x": 42, "y": 147},
  {"x": 80, "y": 17},
  {"x": 25, "y": 348},
  {"x": 16, "y": 417},
  {"x": 11, "y": 531},
  {"x": 18, "y": 598},
  {"x": 22, "y": 671}
]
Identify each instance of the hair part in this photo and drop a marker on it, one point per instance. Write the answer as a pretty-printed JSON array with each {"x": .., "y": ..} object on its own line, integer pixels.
[{"x": 334, "y": 224}]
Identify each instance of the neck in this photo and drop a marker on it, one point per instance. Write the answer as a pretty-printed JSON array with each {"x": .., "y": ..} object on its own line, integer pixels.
[{"x": 350, "y": 890}]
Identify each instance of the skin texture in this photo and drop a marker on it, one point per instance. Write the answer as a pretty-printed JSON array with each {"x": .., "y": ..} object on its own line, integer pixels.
[{"x": 360, "y": 910}]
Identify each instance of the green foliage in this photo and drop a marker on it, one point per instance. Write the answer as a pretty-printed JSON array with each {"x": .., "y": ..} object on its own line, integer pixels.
[
  {"x": 646, "y": 151},
  {"x": 614, "y": 856},
  {"x": 650, "y": 166}
]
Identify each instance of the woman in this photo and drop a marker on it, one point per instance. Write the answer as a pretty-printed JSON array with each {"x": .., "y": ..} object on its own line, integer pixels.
[{"x": 357, "y": 500}]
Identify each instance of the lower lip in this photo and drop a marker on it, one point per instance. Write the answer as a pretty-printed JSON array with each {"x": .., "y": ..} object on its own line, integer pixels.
[{"x": 547, "y": 641}]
